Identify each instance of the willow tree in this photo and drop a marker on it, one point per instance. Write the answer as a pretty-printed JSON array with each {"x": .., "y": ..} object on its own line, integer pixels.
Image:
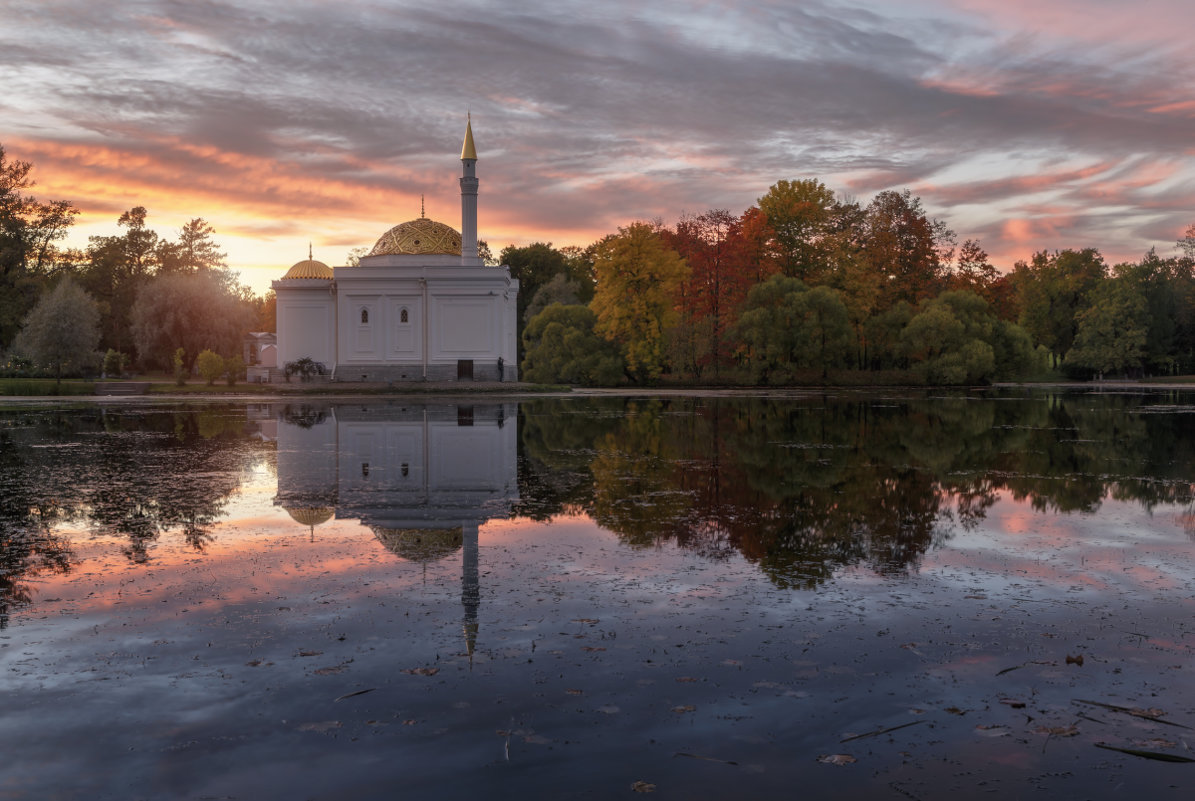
[
  {"x": 637, "y": 281},
  {"x": 61, "y": 332}
]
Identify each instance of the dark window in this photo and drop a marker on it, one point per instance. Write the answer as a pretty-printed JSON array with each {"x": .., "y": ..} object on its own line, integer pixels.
[
  {"x": 403, "y": 317},
  {"x": 364, "y": 316}
]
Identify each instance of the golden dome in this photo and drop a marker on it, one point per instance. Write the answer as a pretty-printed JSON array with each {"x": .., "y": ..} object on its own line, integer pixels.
[
  {"x": 422, "y": 237},
  {"x": 310, "y": 515},
  {"x": 419, "y": 544},
  {"x": 309, "y": 269}
]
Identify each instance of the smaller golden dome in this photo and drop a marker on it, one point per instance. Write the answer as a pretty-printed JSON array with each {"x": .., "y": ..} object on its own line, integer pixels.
[
  {"x": 310, "y": 515},
  {"x": 309, "y": 268},
  {"x": 421, "y": 237}
]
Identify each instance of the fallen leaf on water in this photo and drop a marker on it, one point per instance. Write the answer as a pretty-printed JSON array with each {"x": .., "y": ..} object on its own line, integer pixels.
[
  {"x": 571, "y": 691},
  {"x": 330, "y": 671},
  {"x": 731, "y": 662},
  {"x": 954, "y": 710},
  {"x": 310, "y": 653},
  {"x": 352, "y": 694},
  {"x": 643, "y": 787},
  {"x": 680, "y": 710},
  {"x": 536, "y": 739},
  {"x": 1074, "y": 660},
  {"x": 992, "y": 731},
  {"x": 1014, "y": 703},
  {"x": 609, "y": 710},
  {"x": 423, "y": 671},
  {"x": 589, "y": 620},
  {"x": 836, "y": 759},
  {"x": 1058, "y": 731},
  {"x": 687, "y": 679},
  {"x": 324, "y": 726},
  {"x": 591, "y": 648}
]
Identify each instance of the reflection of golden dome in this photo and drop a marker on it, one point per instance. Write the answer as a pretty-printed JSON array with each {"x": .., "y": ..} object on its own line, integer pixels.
[
  {"x": 420, "y": 544},
  {"x": 309, "y": 269},
  {"x": 421, "y": 237},
  {"x": 310, "y": 515}
]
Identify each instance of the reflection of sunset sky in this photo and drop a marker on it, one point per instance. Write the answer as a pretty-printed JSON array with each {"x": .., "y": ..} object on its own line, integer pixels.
[{"x": 1026, "y": 125}]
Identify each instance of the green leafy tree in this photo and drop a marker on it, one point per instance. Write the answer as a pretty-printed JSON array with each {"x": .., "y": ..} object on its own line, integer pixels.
[
  {"x": 195, "y": 251},
  {"x": 29, "y": 231},
  {"x": 62, "y": 330},
  {"x": 637, "y": 281},
  {"x": 210, "y": 365},
  {"x": 234, "y": 367},
  {"x": 191, "y": 312},
  {"x": 114, "y": 362},
  {"x": 533, "y": 265},
  {"x": 561, "y": 346},
  {"x": 957, "y": 338},
  {"x": 561, "y": 289},
  {"x": 1113, "y": 329},
  {"x": 785, "y": 324},
  {"x": 180, "y": 367},
  {"x": 1051, "y": 291}
]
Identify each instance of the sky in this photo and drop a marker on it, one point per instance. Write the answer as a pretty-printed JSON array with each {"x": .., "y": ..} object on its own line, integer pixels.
[{"x": 1025, "y": 124}]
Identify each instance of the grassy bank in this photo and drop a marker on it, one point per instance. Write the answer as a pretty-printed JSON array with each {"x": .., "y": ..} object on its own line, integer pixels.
[{"x": 44, "y": 386}]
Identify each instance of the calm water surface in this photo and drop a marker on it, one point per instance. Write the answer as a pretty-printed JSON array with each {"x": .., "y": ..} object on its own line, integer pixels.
[{"x": 894, "y": 595}]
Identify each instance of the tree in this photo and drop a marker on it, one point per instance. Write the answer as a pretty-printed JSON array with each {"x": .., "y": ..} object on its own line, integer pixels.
[
  {"x": 637, "y": 280},
  {"x": 1051, "y": 291},
  {"x": 62, "y": 330},
  {"x": 210, "y": 365},
  {"x": 957, "y": 338},
  {"x": 28, "y": 233},
  {"x": 192, "y": 312},
  {"x": 1112, "y": 330},
  {"x": 720, "y": 274},
  {"x": 785, "y": 325},
  {"x": 904, "y": 246},
  {"x": 533, "y": 266},
  {"x": 118, "y": 267},
  {"x": 195, "y": 251},
  {"x": 561, "y": 347},
  {"x": 561, "y": 289},
  {"x": 800, "y": 215}
]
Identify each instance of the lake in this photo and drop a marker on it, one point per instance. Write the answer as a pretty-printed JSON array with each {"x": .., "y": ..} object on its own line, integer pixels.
[{"x": 898, "y": 594}]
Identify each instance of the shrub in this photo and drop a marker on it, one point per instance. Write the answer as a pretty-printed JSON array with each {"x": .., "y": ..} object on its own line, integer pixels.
[{"x": 211, "y": 366}]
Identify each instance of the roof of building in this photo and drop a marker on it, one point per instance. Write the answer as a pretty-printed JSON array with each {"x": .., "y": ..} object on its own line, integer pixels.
[
  {"x": 309, "y": 268},
  {"x": 421, "y": 237}
]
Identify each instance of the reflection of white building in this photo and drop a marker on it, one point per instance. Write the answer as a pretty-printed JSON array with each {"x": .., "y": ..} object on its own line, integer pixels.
[
  {"x": 423, "y": 478},
  {"x": 421, "y": 306},
  {"x": 397, "y": 468}
]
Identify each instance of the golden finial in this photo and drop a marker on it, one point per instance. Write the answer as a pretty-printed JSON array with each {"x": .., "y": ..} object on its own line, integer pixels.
[
  {"x": 309, "y": 257},
  {"x": 422, "y": 211},
  {"x": 468, "y": 151}
]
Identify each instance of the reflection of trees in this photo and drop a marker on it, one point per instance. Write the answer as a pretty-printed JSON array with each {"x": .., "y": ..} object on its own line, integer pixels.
[
  {"x": 804, "y": 487},
  {"x": 27, "y": 547},
  {"x": 134, "y": 472}
]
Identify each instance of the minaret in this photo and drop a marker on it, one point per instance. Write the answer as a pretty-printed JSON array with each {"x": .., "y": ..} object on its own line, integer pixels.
[{"x": 468, "y": 196}]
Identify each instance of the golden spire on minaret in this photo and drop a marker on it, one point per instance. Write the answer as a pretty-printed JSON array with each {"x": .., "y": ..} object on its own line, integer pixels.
[{"x": 468, "y": 151}]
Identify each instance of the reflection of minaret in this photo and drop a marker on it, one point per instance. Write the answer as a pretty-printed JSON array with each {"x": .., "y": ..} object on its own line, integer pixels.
[
  {"x": 423, "y": 478},
  {"x": 470, "y": 589}
]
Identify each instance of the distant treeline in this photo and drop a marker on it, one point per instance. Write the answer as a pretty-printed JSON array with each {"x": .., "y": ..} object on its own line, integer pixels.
[{"x": 801, "y": 287}]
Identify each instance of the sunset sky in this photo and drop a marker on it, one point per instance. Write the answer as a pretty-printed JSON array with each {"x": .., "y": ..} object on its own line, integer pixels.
[{"x": 1026, "y": 124}]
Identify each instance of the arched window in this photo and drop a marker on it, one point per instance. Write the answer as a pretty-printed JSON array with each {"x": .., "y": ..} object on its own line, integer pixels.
[
  {"x": 403, "y": 317},
  {"x": 364, "y": 316}
]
